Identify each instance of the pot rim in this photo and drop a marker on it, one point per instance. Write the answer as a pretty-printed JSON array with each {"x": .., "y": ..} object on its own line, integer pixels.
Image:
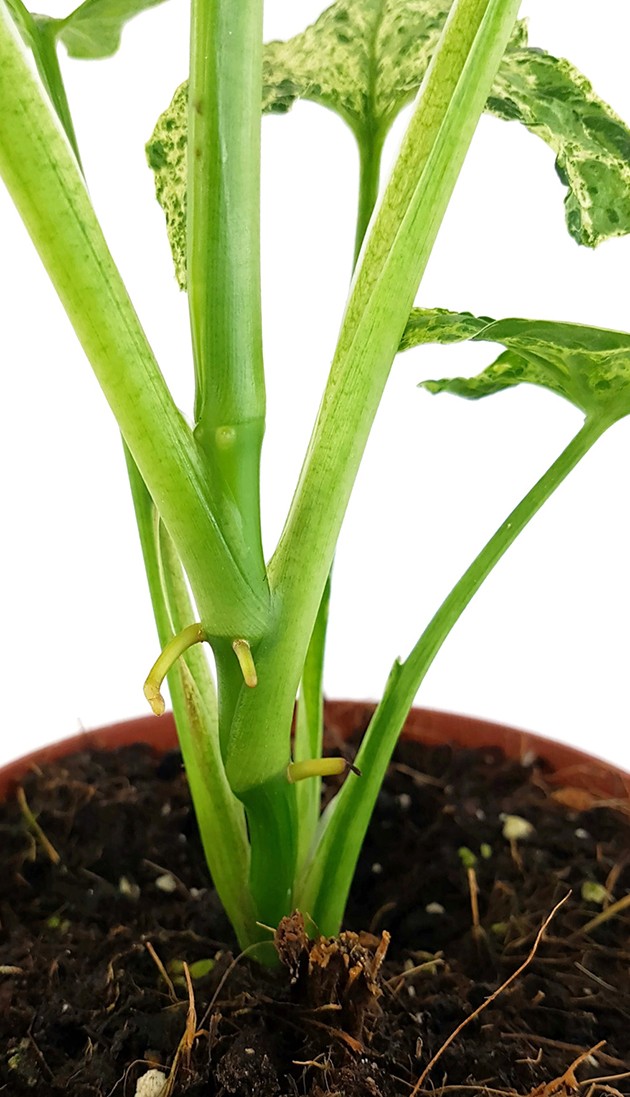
[{"x": 569, "y": 765}]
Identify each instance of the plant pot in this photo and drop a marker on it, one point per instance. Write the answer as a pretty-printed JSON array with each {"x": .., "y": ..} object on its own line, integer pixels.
[
  {"x": 430, "y": 726},
  {"x": 577, "y": 780}
]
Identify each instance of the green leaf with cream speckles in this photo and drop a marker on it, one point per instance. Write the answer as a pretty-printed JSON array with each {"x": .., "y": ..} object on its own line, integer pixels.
[
  {"x": 362, "y": 58},
  {"x": 365, "y": 59},
  {"x": 441, "y": 326},
  {"x": 166, "y": 155},
  {"x": 591, "y": 143},
  {"x": 588, "y": 366},
  {"x": 93, "y": 29}
]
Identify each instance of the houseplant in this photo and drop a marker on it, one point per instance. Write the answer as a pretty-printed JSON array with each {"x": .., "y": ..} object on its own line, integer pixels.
[{"x": 259, "y": 619}]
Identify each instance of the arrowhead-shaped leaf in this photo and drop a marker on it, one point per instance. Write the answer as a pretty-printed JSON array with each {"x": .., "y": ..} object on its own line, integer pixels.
[
  {"x": 588, "y": 366},
  {"x": 93, "y": 29},
  {"x": 365, "y": 59},
  {"x": 362, "y": 58}
]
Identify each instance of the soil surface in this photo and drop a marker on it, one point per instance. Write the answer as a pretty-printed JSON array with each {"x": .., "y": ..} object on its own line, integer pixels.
[{"x": 106, "y": 898}]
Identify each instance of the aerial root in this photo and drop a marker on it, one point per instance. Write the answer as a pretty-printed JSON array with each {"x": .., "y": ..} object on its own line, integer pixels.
[
  {"x": 245, "y": 658},
  {"x": 177, "y": 645},
  {"x": 319, "y": 767}
]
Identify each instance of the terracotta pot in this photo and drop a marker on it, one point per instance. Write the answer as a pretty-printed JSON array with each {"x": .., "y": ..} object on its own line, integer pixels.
[{"x": 572, "y": 768}]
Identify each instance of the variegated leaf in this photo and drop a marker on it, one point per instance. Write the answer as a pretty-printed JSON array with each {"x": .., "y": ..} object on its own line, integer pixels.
[
  {"x": 588, "y": 366},
  {"x": 365, "y": 59}
]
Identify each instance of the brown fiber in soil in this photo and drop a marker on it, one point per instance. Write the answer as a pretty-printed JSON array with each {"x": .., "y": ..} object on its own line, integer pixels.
[{"x": 85, "y": 1011}]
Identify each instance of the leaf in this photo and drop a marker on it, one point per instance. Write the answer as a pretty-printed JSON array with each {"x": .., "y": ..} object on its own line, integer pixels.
[
  {"x": 441, "y": 326},
  {"x": 588, "y": 366},
  {"x": 93, "y": 30},
  {"x": 362, "y": 58},
  {"x": 166, "y": 156},
  {"x": 365, "y": 59},
  {"x": 591, "y": 143}
]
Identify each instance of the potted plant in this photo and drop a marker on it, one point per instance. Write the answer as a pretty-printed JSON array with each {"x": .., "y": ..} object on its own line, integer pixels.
[{"x": 255, "y": 786}]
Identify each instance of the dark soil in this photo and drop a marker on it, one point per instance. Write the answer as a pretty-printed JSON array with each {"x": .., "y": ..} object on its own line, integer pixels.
[{"x": 85, "y": 1008}]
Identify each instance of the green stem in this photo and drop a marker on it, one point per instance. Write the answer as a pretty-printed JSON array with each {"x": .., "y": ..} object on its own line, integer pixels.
[
  {"x": 219, "y": 814},
  {"x": 39, "y": 32},
  {"x": 48, "y": 65},
  {"x": 43, "y": 177},
  {"x": 370, "y": 154},
  {"x": 450, "y": 103},
  {"x": 400, "y": 241},
  {"x": 392, "y": 260},
  {"x": 325, "y": 889},
  {"x": 309, "y": 728},
  {"x": 272, "y": 823},
  {"x": 422, "y": 655},
  {"x": 223, "y": 258}
]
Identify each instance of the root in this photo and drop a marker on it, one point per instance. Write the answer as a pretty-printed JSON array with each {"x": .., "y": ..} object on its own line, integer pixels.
[{"x": 495, "y": 994}]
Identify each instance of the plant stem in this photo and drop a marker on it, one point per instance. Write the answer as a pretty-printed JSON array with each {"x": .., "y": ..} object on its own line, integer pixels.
[
  {"x": 39, "y": 32},
  {"x": 392, "y": 260},
  {"x": 48, "y": 64},
  {"x": 220, "y": 816},
  {"x": 309, "y": 727},
  {"x": 325, "y": 889},
  {"x": 370, "y": 154},
  {"x": 43, "y": 177},
  {"x": 397, "y": 249},
  {"x": 223, "y": 259}
]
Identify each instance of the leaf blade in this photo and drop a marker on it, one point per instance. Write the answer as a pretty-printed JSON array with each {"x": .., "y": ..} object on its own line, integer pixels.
[
  {"x": 366, "y": 59},
  {"x": 557, "y": 103},
  {"x": 93, "y": 30},
  {"x": 588, "y": 366}
]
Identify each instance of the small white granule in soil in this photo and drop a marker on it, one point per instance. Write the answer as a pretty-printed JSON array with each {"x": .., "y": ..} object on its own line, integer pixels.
[
  {"x": 166, "y": 883},
  {"x": 151, "y": 1084},
  {"x": 434, "y": 908},
  {"x": 516, "y": 829}
]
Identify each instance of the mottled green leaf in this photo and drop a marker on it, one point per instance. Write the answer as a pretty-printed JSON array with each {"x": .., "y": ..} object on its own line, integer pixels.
[
  {"x": 591, "y": 143},
  {"x": 166, "y": 156},
  {"x": 93, "y": 29},
  {"x": 441, "y": 326},
  {"x": 362, "y": 58},
  {"x": 365, "y": 59},
  {"x": 588, "y": 366}
]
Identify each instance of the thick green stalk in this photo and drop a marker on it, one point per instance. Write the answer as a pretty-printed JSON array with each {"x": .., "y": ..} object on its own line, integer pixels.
[
  {"x": 309, "y": 728},
  {"x": 223, "y": 258},
  {"x": 391, "y": 263},
  {"x": 324, "y": 890},
  {"x": 43, "y": 177},
  {"x": 219, "y": 814},
  {"x": 38, "y": 31},
  {"x": 450, "y": 102}
]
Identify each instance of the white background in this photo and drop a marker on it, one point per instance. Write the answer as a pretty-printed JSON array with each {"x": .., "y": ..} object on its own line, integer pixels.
[{"x": 546, "y": 644}]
